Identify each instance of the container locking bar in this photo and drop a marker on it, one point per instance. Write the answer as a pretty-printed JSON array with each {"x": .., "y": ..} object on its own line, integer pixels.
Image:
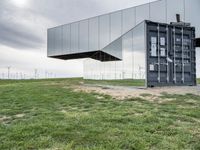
[
  {"x": 167, "y": 30},
  {"x": 174, "y": 32},
  {"x": 197, "y": 42},
  {"x": 183, "y": 64},
  {"x": 159, "y": 77}
]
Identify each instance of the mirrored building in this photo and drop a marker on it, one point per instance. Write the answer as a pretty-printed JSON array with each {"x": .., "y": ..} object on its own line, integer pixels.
[{"x": 114, "y": 44}]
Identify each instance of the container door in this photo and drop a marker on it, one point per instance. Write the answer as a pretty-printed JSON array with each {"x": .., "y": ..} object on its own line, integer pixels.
[
  {"x": 183, "y": 71},
  {"x": 158, "y": 61},
  {"x": 170, "y": 55}
]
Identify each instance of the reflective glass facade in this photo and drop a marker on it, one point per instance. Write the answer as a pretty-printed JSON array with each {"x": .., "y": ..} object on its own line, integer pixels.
[{"x": 119, "y": 34}]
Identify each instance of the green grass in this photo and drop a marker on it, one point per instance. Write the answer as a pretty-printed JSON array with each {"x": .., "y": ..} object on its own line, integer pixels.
[
  {"x": 117, "y": 82},
  {"x": 198, "y": 81},
  {"x": 48, "y": 114}
]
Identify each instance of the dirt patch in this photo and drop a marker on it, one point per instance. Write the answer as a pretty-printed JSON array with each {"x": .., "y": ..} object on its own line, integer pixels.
[
  {"x": 138, "y": 114},
  {"x": 5, "y": 119},
  {"x": 99, "y": 97},
  {"x": 8, "y": 119},
  {"x": 74, "y": 114},
  {"x": 19, "y": 115},
  {"x": 151, "y": 94}
]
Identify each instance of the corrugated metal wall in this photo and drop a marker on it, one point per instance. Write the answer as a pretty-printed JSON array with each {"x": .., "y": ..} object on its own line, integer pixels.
[{"x": 170, "y": 55}]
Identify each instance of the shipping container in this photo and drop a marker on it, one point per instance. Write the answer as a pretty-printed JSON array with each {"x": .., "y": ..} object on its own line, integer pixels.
[{"x": 170, "y": 54}]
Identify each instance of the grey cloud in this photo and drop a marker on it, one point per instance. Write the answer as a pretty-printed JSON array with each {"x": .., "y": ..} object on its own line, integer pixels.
[
  {"x": 19, "y": 37},
  {"x": 17, "y": 28},
  {"x": 25, "y": 28},
  {"x": 65, "y": 11},
  {"x": 20, "y": 28}
]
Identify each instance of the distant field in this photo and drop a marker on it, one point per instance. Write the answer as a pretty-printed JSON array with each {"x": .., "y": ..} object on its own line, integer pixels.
[
  {"x": 120, "y": 82},
  {"x": 48, "y": 114},
  {"x": 117, "y": 82}
]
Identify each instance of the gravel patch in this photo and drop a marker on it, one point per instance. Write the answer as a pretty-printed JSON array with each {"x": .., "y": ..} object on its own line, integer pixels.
[{"x": 121, "y": 92}]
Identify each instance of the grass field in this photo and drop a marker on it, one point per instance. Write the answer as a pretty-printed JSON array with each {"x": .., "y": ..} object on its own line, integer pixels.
[
  {"x": 117, "y": 82},
  {"x": 198, "y": 81},
  {"x": 120, "y": 82},
  {"x": 48, "y": 114}
]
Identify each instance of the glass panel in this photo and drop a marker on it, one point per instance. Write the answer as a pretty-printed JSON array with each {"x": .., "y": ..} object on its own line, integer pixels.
[
  {"x": 142, "y": 13},
  {"x": 133, "y": 64},
  {"x": 158, "y": 11},
  {"x": 88, "y": 68},
  {"x": 104, "y": 30},
  {"x": 53, "y": 41},
  {"x": 114, "y": 49},
  {"x": 192, "y": 8},
  {"x": 116, "y": 25},
  {"x": 111, "y": 70},
  {"x": 107, "y": 70},
  {"x": 83, "y": 36},
  {"x": 101, "y": 70},
  {"x": 85, "y": 69},
  {"x": 198, "y": 61},
  {"x": 58, "y": 40},
  {"x": 50, "y": 42},
  {"x": 139, "y": 52},
  {"x": 128, "y": 19},
  {"x": 128, "y": 55},
  {"x": 119, "y": 69},
  {"x": 94, "y": 34},
  {"x": 93, "y": 69},
  {"x": 97, "y": 69},
  {"x": 66, "y": 39},
  {"x": 191, "y": 11},
  {"x": 173, "y": 9},
  {"x": 74, "y": 37}
]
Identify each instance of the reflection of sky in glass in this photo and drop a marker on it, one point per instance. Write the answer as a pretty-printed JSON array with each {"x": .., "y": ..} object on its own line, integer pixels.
[
  {"x": 93, "y": 34},
  {"x": 142, "y": 13},
  {"x": 116, "y": 25},
  {"x": 104, "y": 30},
  {"x": 74, "y": 37},
  {"x": 107, "y": 28},
  {"x": 83, "y": 35}
]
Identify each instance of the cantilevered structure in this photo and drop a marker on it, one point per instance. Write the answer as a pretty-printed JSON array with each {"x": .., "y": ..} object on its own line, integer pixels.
[{"x": 115, "y": 44}]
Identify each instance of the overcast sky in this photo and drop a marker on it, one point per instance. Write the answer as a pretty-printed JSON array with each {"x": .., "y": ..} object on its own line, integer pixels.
[{"x": 23, "y": 30}]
